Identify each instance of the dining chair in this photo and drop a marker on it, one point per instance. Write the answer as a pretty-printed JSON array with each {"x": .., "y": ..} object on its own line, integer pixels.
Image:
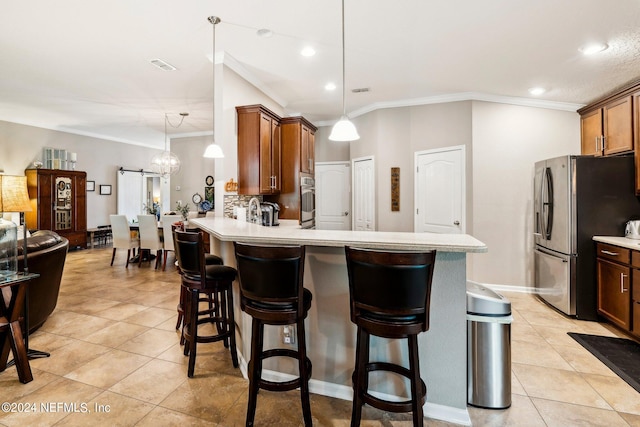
[
  {"x": 167, "y": 232},
  {"x": 149, "y": 237},
  {"x": 122, "y": 238}
]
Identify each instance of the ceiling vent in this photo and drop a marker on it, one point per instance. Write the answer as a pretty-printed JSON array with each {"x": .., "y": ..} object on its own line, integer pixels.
[
  {"x": 360, "y": 90},
  {"x": 163, "y": 65}
]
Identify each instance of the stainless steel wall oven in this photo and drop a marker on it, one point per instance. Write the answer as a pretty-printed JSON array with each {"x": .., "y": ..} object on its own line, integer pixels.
[{"x": 307, "y": 201}]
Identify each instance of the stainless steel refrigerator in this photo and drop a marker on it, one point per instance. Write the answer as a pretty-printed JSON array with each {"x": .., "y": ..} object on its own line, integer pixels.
[{"x": 576, "y": 198}]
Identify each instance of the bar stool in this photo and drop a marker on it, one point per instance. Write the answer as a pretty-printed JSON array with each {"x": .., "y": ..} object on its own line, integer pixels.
[
  {"x": 272, "y": 293},
  {"x": 210, "y": 259},
  {"x": 389, "y": 296},
  {"x": 215, "y": 283}
]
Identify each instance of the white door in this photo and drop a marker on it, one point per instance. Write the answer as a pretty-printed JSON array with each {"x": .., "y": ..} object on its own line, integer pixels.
[
  {"x": 364, "y": 194},
  {"x": 440, "y": 190},
  {"x": 333, "y": 196}
]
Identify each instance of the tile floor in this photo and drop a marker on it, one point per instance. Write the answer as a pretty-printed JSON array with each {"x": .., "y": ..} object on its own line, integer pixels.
[{"x": 114, "y": 349}]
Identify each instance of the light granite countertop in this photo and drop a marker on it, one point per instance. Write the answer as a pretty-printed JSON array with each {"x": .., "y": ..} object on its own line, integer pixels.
[
  {"x": 289, "y": 232},
  {"x": 619, "y": 241}
]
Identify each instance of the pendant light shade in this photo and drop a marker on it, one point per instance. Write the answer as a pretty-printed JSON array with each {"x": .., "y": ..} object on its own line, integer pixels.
[
  {"x": 213, "y": 150},
  {"x": 344, "y": 130}
]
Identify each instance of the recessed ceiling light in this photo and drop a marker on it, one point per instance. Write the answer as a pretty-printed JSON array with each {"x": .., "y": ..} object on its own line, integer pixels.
[
  {"x": 330, "y": 86},
  {"x": 264, "y": 33},
  {"x": 537, "y": 91},
  {"x": 592, "y": 48},
  {"x": 308, "y": 51},
  {"x": 163, "y": 65}
]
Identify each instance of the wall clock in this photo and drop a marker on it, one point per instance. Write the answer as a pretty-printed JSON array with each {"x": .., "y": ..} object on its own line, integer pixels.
[{"x": 196, "y": 198}]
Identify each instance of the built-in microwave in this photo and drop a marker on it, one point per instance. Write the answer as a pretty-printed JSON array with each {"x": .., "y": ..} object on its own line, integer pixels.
[{"x": 307, "y": 201}]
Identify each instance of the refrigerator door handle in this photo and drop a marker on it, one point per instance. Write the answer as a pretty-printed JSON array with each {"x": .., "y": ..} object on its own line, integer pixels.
[
  {"x": 547, "y": 254},
  {"x": 548, "y": 203}
]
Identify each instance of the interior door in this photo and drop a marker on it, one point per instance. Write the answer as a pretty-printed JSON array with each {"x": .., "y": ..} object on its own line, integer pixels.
[
  {"x": 364, "y": 194},
  {"x": 439, "y": 191},
  {"x": 333, "y": 196}
]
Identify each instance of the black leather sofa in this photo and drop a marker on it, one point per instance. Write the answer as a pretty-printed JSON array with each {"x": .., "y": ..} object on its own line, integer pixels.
[{"x": 46, "y": 254}]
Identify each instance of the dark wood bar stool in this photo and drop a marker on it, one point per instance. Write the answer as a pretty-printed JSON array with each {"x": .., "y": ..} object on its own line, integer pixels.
[
  {"x": 272, "y": 293},
  {"x": 210, "y": 259},
  {"x": 389, "y": 295},
  {"x": 215, "y": 284}
]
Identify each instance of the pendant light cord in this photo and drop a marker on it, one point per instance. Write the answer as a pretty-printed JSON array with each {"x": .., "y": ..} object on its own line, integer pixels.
[
  {"x": 214, "y": 20},
  {"x": 344, "y": 83}
]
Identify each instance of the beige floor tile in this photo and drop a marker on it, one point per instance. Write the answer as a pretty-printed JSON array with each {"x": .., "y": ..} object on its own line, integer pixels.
[
  {"x": 11, "y": 389},
  {"x": 538, "y": 354},
  {"x": 547, "y": 318},
  {"x": 151, "y": 317},
  {"x": 564, "y": 414},
  {"x": 74, "y": 325},
  {"x": 557, "y": 336},
  {"x": 107, "y": 369},
  {"x": 167, "y": 418},
  {"x": 109, "y": 409},
  {"x": 583, "y": 361},
  {"x": 558, "y": 384},
  {"x": 116, "y": 334},
  {"x": 70, "y": 357},
  {"x": 49, "y": 402},
  {"x": 170, "y": 324},
  {"x": 620, "y": 395},
  {"x": 153, "y": 382},
  {"x": 150, "y": 343},
  {"x": 195, "y": 396},
  {"x": 48, "y": 342},
  {"x": 121, "y": 310},
  {"x": 632, "y": 419},
  {"x": 521, "y": 413}
]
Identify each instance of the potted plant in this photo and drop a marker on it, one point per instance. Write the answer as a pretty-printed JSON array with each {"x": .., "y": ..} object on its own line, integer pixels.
[{"x": 184, "y": 211}]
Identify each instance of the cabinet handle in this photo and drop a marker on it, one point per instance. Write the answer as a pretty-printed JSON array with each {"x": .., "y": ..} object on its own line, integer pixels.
[
  {"x": 622, "y": 289},
  {"x": 603, "y": 139},
  {"x": 609, "y": 253}
]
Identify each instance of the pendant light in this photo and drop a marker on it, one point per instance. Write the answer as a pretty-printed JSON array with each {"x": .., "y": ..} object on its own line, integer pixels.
[
  {"x": 344, "y": 130},
  {"x": 214, "y": 151},
  {"x": 166, "y": 163}
]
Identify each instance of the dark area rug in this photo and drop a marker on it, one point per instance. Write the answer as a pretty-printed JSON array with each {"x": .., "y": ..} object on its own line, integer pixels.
[{"x": 621, "y": 355}]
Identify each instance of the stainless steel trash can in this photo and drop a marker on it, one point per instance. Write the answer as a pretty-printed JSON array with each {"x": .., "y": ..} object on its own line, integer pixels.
[{"x": 488, "y": 348}]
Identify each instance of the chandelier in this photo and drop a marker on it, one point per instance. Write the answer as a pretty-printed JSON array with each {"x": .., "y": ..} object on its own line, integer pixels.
[{"x": 167, "y": 163}]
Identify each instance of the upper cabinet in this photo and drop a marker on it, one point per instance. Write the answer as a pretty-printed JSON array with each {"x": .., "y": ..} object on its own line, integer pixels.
[
  {"x": 608, "y": 129},
  {"x": 259, "y": 151}
]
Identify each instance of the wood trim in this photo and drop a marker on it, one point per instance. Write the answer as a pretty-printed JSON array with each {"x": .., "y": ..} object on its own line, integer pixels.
[{"x": 622, "y": 91}]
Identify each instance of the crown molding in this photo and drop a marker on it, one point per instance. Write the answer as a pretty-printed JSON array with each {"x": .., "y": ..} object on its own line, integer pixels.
[{"x": 457, "y": 97}]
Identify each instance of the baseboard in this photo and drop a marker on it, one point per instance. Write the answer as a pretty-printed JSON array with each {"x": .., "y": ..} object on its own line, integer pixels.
[{"x": 343, "y": 392}]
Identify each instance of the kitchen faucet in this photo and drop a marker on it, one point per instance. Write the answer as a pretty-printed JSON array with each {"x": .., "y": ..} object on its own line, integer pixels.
[{"x": 255, "y": 218}]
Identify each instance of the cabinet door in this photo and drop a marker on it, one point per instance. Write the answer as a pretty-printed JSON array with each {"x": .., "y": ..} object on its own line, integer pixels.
[
  {"x": 635, "y": 301},
  {"x": 266, "y": 177},
  {"x": 312, "y": 152},
  {"x": 618, "y": 126},
  {"x": 614, "y": 300},
  {"x": 591, "y": 133},
  {"x": 276, "y": 156},
  {"x": 305, "y": 164}
]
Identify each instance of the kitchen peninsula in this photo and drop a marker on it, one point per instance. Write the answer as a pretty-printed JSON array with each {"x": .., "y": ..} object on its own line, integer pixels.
[{"x": 330, "y": 333}]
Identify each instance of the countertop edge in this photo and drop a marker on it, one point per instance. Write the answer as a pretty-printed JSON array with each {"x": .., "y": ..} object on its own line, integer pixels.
[
  {"x": 226, "y": 229},
  {"x": 619, "y": 241}
]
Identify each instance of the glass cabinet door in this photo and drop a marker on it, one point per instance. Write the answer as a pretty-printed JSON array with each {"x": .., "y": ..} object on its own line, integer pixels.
[{"x": 62, "y": 203}]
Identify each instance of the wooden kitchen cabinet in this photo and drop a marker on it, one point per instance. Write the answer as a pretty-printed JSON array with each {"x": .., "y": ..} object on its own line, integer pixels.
[
  {"x": 608, "y": 130},
  {"x": 259, "y": 151},
  {"x": 59, "y": 203},
  {"x": 298, "y": 157}
]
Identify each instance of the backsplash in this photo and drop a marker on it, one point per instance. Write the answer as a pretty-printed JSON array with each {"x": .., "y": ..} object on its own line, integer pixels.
[{"x": 235, "y": 200}]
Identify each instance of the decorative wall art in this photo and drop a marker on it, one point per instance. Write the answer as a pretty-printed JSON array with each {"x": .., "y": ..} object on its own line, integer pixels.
[
  {"x": 105, "y": 190},
  {"x": 91, "y": 186},
  {"x": 395, "y": 189}
]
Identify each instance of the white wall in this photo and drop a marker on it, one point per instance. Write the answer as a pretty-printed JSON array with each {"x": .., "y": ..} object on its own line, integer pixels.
[
  {"x": 21, "y": 145},
  {"x": 507, "y": 141}
]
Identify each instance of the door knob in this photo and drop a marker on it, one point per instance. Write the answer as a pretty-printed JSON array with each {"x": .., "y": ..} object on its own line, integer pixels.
[
  {"x": 456, "y": 222},
  {"x": 346, "y": 214}
]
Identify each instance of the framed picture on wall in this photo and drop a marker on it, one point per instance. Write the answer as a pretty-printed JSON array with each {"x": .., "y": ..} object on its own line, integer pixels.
[
  {"x": 105, "y": 190},
  {"x": 91, "y": 186}
]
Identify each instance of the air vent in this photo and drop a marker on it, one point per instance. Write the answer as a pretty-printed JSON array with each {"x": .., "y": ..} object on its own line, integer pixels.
[
  {"x": 360, "y": 90},
  {"x": 163, "y": 65}
]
